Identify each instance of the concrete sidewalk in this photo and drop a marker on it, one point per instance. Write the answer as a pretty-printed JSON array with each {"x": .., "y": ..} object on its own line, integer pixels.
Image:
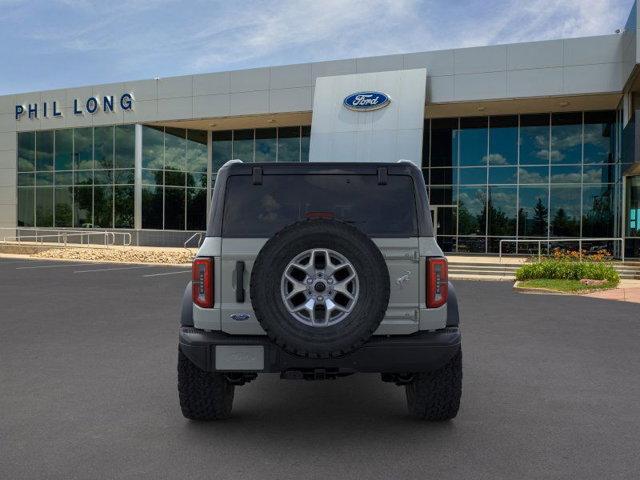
[{"x": 627, "y": 291}]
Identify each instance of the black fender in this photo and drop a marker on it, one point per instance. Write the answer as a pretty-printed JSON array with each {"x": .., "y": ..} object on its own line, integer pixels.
[
  {"x": 186, "y": 314},
  {"x": 453, "y": 316}
]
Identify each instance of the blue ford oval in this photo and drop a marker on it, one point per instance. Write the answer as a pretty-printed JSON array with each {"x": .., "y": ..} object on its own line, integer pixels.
[{"x": 366, "y": 101}]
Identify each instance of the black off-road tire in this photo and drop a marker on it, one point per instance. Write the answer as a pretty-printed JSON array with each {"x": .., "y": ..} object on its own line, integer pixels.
[
  {"x": 203, "y": 395},
  {"x": 305, "y": 340},
  {"x": 435, "y": 396}
]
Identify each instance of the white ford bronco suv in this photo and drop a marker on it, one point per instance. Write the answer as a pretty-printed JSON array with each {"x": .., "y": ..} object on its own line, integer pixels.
[{"x": 317, "y": 271}]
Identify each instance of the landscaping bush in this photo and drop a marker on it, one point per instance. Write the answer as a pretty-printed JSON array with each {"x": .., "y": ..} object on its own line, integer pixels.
[{"x": 568, "y": 270}]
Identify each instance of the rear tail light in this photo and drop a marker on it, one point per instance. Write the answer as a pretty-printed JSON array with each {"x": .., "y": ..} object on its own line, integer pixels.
[
  {"x": 437, "y": 282},
  {"x": 202, "y": 282}
]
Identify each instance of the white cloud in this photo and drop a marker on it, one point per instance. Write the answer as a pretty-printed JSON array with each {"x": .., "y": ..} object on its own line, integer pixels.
[{"x": 144, "y": 38}]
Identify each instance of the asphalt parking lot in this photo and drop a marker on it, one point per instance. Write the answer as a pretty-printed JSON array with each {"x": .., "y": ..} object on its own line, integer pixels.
[{"x": 551, "y": 389}]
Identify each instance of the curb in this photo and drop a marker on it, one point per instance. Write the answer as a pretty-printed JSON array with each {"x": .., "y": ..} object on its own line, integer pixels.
[
  {"x": 76, "y": 260},
  {"x": 539, "y": 290}
]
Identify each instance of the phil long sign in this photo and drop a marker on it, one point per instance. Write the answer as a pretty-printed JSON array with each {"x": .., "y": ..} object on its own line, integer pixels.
[{"x": 91, "y": 105}]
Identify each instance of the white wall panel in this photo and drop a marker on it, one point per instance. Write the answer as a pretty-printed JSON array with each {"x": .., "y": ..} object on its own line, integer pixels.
[{"x": 338, "y": 132}]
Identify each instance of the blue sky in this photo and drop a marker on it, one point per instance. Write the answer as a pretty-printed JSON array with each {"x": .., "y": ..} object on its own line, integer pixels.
[{"x": 64, "y": 43}]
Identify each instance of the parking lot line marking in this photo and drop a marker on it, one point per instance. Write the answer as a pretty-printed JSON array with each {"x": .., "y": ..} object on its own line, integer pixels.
[
  {"x": 167, "y": 273},
  {"x": 53, "y": 266},
  {"x": 115, "y": 268}
]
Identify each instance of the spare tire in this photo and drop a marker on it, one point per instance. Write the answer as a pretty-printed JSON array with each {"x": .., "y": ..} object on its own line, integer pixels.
[{"x": 320, "y": 288}]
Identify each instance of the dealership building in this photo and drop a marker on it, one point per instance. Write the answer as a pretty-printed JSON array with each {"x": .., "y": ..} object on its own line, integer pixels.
[{"x": 525, "y": 141}]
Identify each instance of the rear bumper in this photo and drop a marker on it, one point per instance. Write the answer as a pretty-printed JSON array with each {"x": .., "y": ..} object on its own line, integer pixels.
[{"x": 420, "y": 352}]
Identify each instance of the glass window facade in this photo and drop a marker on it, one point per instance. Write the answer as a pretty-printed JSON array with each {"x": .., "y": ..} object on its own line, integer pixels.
[
  {"x": 85, "y": 177},
  {"x": 80, "y": 177},
  {"x": 535, "y": 176},
  {"x": 174, "y": 178},
  {"x": 282, "y": 144}
]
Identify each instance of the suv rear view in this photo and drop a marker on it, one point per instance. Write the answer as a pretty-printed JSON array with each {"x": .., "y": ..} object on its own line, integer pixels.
[{"x": 317, "y": 271}]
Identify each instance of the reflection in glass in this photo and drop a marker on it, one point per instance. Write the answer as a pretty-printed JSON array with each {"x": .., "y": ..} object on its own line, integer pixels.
[
  {"x": 597, "y": 211},
  {"x": 26, "y": 205},
  {"x": 197, "y": 151},
  {"x": 442, "y": 196},
  {"x": 503, "y": 140},
  {"x": 605, "y": 173},
  {"x": 444, "y": 176},
  {"x": 632, "y": 208},
  {"x": 152, "y": 177},
  {"x": 123, "y": 206},
  {"x": 533, "y": 175},
  {"x": 125, "y": 176},
  {"x": 174, "y": 179},
  {"x": 266, "y": 145},
  {"x": 44, "y": 179},
  {"x": 175, "y": 149},
  {"x": 473, "y": 176},
  {"x": 502, "y": 175},
  {"x": 571, "y": 174},
  {"x": 534, "y": 139},
  {"x": 197, "y": 179},
  {"x": 533, "y": 213},
  {"x": 103, "y": 147},
  {"x": 501, "y": 211},
  {"x": 289, "y": 144},
  {"x": 83, "y": 177},
  {"x": 82, "y": 206},
  {"x": 564, "y": 212},
  {"x": 64, "y": 149},
  {"x": 305, "y": 135},
  {"x": 566, "y": 138},
  {"x": 44, "y": 150},
  {"x": 196, "y": 208},
  {"x": 472, "y": 244},
  {"x": 125, "y": 150},
  {"x": 102, "y": 177},
  {"x": 174, "y": 208},
  {"x": 103, "y": 207},
  {"x": 83, "y": 148},
  {"x": 26, "y": 151},
  {"x": 221, "y": 148},
  {"x": 64, "y": 178},
  {"x": 444, "y": 142},
  {"x": 599, "y": 141},
  {"x": 243, "y": 145},
  {"x": 44, "y": 207},
  {"x": 471, "y": 211},
  {"x": 152, "y": 147},
  {"x": 152, "y": 207},
  {"x": 26, "y": 179},
  {"x": 473, "y": 141}
]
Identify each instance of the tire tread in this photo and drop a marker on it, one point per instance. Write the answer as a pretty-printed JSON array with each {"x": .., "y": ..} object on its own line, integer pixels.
[{"x": 203, "y": 395}]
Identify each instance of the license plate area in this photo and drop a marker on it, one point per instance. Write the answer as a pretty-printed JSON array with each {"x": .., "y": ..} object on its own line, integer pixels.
[{"x": 230, "y": 358}]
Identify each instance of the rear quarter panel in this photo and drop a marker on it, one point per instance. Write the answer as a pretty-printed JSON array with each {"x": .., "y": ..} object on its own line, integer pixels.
[{"x": 405, "y": 258}]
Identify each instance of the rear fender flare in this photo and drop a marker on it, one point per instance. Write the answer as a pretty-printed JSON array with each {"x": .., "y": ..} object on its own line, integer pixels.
[
  {"x": 453, "y": 316},
  {"x": 186, "y": 314}
]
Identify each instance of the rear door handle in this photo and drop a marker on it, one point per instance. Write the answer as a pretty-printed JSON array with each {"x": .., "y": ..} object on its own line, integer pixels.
[{"x": 240, "y": 282}]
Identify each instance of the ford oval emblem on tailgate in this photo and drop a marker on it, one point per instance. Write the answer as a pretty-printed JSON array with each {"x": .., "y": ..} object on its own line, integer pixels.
[
  {"x": 239, "y": 317},
  {"x": 366, "y": 101}
]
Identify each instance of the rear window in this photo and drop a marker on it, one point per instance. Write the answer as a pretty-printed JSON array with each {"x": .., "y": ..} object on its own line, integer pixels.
[{"x": 262, "y": 210}]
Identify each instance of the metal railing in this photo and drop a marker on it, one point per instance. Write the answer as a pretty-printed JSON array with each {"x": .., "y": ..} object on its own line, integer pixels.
[
  {"x": 549, "y": 242},
  {"x": 197, "y": 235},
  {"x": 68, "y": 237}
]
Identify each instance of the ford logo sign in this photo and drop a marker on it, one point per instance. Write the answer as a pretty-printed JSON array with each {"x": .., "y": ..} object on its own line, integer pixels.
[{"x": 366, "y": 101}]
